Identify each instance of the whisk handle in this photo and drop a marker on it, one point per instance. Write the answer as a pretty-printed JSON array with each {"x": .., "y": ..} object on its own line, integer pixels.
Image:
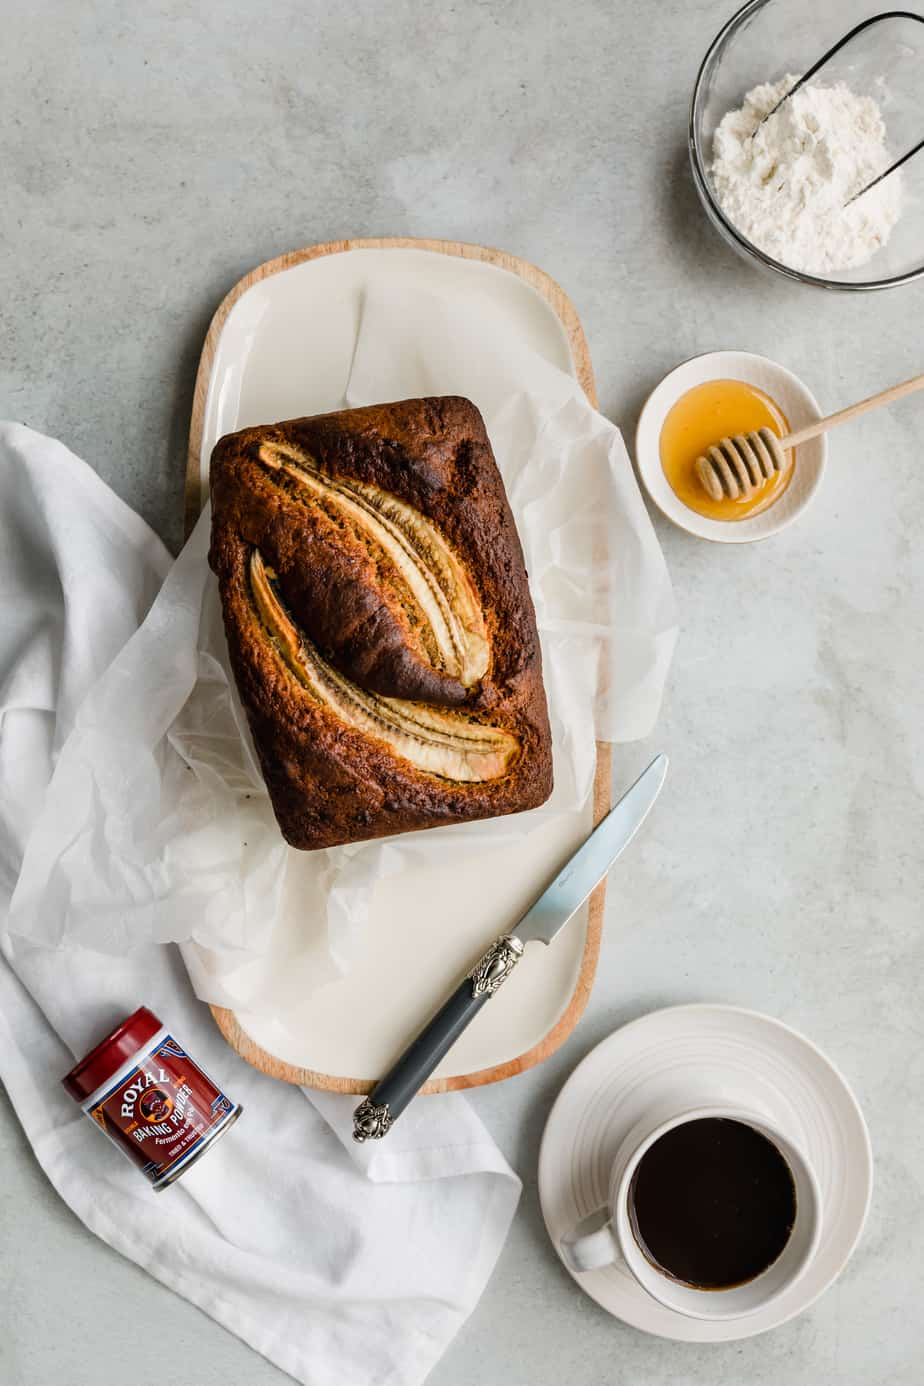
[{"x": 893, "y": 393}]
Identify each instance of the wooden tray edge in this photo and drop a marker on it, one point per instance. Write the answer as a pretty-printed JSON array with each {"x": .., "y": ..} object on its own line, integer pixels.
[{"x": 226, "y": 1019}]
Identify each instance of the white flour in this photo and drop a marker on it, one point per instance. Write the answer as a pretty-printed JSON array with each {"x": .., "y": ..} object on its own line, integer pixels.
[{"x": 785, "y": 188}]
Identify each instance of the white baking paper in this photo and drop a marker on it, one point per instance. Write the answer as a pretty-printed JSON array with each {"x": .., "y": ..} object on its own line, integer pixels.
[{"x": 157, "y": 824}]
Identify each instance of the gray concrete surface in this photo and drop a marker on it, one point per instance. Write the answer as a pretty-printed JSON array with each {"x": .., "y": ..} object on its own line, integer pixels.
[{"x": 151, "y": 154}]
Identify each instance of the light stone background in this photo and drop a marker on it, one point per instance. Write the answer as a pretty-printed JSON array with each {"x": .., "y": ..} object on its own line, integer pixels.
[{"x": 152, "y": 154}]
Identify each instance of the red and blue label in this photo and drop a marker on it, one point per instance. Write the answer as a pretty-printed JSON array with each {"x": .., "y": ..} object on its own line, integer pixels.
[{"x": 163, "y": 1112}]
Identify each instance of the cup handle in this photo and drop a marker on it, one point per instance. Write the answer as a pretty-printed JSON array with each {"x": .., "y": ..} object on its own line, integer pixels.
[{"x": 595, "y": 1247}]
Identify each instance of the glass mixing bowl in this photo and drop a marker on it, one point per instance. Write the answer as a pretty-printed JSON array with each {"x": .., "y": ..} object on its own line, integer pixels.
[{"x": 768, "y": 38}]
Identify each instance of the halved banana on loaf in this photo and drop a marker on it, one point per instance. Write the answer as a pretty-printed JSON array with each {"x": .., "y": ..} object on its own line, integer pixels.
[
  {"x": 445, "y": 743},
  {"x": 375, "y": 583}
]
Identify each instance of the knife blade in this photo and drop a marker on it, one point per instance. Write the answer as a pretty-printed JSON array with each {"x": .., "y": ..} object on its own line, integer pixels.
[
  {"x": 542, "y": 922},
  {"x": 560, "y": 902}
]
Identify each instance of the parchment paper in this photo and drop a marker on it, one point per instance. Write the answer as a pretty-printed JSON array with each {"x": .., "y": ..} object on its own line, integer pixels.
[{"x": 157, "y": 824}]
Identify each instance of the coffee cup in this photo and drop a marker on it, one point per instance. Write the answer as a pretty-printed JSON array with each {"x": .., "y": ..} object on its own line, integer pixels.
[{"x": 713, "y": 1209}]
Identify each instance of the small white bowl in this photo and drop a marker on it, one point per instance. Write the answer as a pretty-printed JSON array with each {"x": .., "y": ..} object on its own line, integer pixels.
[{"x": 797, "y": 403}]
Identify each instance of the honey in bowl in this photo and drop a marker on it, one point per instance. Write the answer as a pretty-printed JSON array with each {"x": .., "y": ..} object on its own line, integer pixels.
[{"x": 718, "y": 409}]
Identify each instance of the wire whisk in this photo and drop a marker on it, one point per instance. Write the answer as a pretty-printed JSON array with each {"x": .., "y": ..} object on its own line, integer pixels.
[{"x": 825, "y": 58}]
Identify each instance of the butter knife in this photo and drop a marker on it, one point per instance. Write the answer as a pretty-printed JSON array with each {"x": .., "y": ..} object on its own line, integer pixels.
[{"x": 541, "y": 923}]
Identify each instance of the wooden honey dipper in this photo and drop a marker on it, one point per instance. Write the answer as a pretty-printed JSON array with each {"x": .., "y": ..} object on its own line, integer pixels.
[{"x": 742, "y": 465}]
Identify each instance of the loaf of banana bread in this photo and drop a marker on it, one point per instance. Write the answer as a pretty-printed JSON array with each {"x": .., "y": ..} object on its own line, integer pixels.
[{"x": 379, "y": 621}]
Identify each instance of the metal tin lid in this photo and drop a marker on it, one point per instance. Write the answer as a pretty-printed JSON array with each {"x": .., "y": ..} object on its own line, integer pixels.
[{"x": 111, "y": 1053}]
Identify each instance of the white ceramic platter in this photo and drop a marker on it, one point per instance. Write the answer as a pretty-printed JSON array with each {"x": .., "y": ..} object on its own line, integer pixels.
[
  {"x": 286, "y": 346},
  {"x": 746, "y": 1057},
  {"x": 283, "y": 350}
]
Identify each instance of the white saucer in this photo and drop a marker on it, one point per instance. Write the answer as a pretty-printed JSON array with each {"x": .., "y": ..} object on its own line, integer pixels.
[
  {"x": 797, "y": 403},
  {"x": 746, "y": 1055}
]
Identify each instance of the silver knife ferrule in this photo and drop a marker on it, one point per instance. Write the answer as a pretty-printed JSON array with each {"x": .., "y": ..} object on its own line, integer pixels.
[{"x": 494, "y": 966}]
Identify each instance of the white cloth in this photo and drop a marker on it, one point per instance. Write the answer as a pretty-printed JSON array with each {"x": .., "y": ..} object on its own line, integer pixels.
[
  {"x": 158, "y": 825},
  {"x": 341, "y": 1264}
]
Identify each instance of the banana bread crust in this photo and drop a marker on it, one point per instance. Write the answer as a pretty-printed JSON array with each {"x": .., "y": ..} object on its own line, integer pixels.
[{"x": 332, "y": 782}]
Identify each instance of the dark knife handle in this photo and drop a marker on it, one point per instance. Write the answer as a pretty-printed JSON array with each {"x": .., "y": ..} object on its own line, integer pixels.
[{"x": 376, "y": 1114}]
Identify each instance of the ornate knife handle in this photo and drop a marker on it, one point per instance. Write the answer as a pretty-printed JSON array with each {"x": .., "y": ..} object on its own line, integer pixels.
[{"x": 376, "y": 1113}]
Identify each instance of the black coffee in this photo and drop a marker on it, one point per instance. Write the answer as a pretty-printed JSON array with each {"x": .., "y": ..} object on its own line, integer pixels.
[{"x": 712, "y": 1203}]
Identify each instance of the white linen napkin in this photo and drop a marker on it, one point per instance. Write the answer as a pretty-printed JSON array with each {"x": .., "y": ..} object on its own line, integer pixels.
[{"x": 338, "y": 1263}]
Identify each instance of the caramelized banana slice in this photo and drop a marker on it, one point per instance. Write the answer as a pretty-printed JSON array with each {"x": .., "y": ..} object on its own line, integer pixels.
[
  {"x": 437, "y": 580},
  {"x": 442, "y": 743}
]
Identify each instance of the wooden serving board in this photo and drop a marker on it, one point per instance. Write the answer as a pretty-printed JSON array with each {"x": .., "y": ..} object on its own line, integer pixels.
[{"x": 195, "y": 497}]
